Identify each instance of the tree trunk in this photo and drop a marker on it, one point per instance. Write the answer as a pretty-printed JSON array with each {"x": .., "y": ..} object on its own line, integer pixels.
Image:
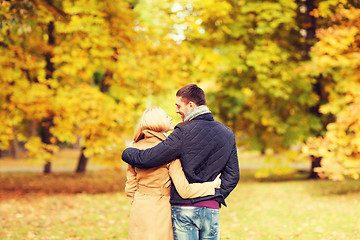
[
  {"x": 310, "y": 41},
  {"x": 49, "y": 54},
  {"x": 310, "y": 26},
  {"x": 104, "y": 88},
  {"x": 81, "y": 167},
  {"x": 47, "y": 167},
  {"x": 48, "y": 122},
  {"x": 33, "y": 126},
  {"x": 15, "y": 145},
  {"x": 316, "y": 162},
  {"x": 46, "y": 138}
]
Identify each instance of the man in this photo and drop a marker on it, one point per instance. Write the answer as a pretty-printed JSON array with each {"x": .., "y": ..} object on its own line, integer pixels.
[{"x": 205, "y": 148}]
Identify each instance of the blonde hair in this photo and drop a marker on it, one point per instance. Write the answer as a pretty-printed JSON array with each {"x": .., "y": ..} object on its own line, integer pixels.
[{"x": 154, "y": 119}]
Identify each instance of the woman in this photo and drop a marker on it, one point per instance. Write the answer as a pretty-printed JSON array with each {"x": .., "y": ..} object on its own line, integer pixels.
[{"x": 149, "y": 189}]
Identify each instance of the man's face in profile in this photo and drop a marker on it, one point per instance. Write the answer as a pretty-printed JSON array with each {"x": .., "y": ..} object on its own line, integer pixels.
[{"x": 182, "y": 107}]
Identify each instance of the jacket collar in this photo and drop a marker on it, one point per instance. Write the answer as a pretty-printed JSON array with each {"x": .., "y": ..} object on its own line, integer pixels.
[
  {"x": 200, "y": 110},
  {"x": 150, "y": 133},
  {"x": 205, "y": 116}
]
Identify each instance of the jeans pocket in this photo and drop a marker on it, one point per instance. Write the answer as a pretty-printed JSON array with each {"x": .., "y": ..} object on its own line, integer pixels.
[
  {"x": 214, "y": 222},
  {"x": 184, "y": 218}
]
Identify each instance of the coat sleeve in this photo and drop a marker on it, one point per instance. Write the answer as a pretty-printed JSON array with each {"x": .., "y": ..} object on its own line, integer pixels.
[
  {"x": 231, "y": 174},
  {"x": 161, "y": 154},
  {"x": 131, "y": 183},
  {"x": 186, "y": 189}
]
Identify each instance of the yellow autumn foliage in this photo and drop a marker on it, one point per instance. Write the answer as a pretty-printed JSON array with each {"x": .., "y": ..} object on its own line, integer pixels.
[
  {"x": 94, "y": 117},
  {"x": 336, "y": 56}
]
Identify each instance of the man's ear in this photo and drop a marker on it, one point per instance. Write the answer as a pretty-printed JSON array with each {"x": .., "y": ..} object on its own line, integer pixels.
[{"x": 192, "y": 105}]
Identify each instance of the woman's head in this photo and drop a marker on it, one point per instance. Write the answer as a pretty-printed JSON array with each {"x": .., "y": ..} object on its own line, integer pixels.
[{"x": 154, "y": 119}]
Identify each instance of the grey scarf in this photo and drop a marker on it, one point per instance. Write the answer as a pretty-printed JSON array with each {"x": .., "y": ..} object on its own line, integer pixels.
[{"x": 196, "y": 112}]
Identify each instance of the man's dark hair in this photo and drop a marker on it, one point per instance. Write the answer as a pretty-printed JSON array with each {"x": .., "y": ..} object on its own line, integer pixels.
[{"x": 192, "y": 92}]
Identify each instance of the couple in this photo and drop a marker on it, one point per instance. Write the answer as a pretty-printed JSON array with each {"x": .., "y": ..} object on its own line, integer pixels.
[{"x": 206, "y": 148}]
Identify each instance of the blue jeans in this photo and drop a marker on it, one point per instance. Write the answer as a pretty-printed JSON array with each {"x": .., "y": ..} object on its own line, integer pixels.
[{"x": 192, "y": 223}]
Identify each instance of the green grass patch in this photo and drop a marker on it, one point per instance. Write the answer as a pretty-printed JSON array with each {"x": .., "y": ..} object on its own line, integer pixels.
[
  {"x": 306, "y": 210},
  {"x": 93, "y": 206},
  {"x": 80, "y": 216}
]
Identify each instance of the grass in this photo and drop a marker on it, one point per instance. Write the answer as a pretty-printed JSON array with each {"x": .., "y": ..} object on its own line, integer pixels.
[
  {"x": 298, "y": 209},
  {"x": 306, "y": 210},
  {"x": 80, "y": 216},
  {"x": 94, "y": 206}
]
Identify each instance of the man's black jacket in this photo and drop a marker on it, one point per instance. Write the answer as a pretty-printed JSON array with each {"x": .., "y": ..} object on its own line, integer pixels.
[{"x": 205, "y": 148}]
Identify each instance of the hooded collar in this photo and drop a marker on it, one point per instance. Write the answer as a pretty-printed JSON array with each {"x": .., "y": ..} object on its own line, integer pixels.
[{"x": 150, "y": 133}]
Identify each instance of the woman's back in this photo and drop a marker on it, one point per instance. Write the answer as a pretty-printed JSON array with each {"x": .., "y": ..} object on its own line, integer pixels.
[
  {"x": 153, "y": 177},
  {"x": 149, "y": 192}
]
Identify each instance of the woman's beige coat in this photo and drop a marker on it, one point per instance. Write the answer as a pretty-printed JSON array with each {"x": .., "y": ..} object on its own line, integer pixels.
[{"x": 149, "y": 194}]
